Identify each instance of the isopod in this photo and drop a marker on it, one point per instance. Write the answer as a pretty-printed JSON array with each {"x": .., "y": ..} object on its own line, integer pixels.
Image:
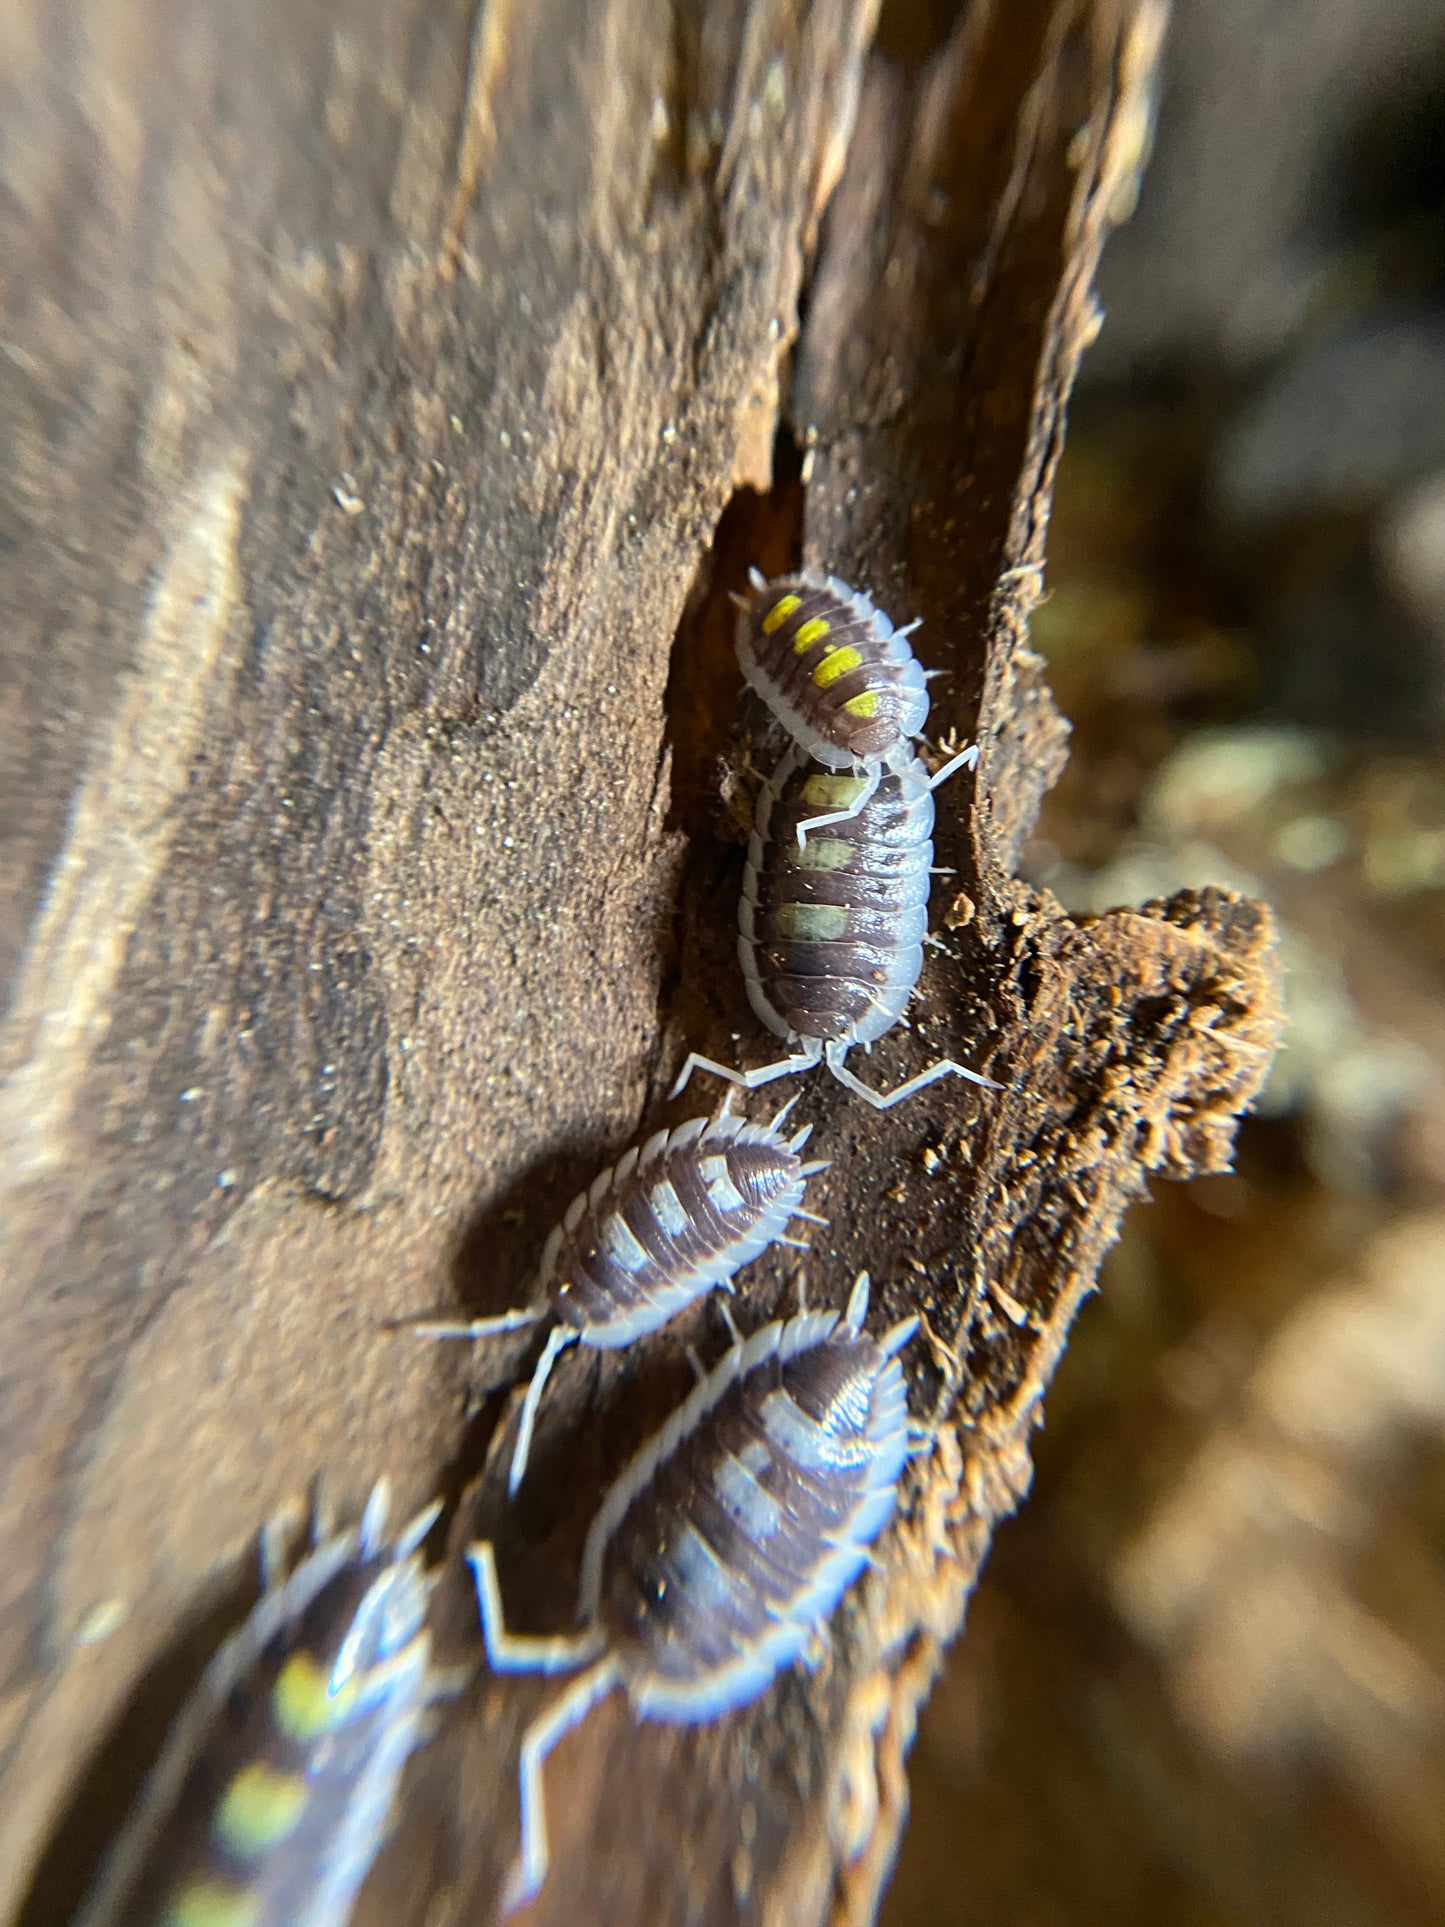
[
  {"x": 270, "y": 1798},
  {"x": 831, "y": 934},
  {"x": 838, "y": 676},
  {"x": 657, "y": 1231},
  {"x": 718, "y": 1556}
]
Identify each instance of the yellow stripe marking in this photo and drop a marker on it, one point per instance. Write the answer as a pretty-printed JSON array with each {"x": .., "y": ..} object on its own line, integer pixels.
[
  {"x": 779, "y": 613},
  {"x": 834, "y": 792},
  {"x": 258, "y": 1809},
  {"x": 836, "y": 663},
  {"x": 811, "y": 922},
  {"x": 810, "y": 633},
  {"x": 824, "y": 853},
  {"x": 304, "y": 1706},
  {"x": 864, "y": 704},
  {"x": 212, "y": 1903}
]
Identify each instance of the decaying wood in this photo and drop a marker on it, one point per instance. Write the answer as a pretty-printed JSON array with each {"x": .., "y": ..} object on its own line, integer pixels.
[{"x": 376, "y": 378}]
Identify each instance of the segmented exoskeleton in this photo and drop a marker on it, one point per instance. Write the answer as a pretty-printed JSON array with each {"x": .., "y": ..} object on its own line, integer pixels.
[
  {"x": 831, "y": 933},
  {"x": 720, "y": 1553},
  {"x": 269, "y": 1802},
  {"x": 672, "y": 1219},
  {"x": 838, "y": 676}
]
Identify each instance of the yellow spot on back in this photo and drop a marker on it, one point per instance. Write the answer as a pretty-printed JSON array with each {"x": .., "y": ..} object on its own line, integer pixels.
[
  {"x": 810, "y": 633},
  {"x": 864, "y": 704},
  {"x": 836, "y": 663},
  {"x": 779, "y": 613},
  {"x": 258, "y": 1809},
  {"x": 824, "y": 853},
  {"x": 300, "y": 1700},
  {"x": 811, "y": 922},
  {"x": 834, "y": 792},
  {"x": 212, "y": 1903}
]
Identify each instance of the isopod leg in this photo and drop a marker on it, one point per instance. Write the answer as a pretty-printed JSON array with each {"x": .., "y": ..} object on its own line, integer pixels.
[
  {"x": 558, "y": 1339},
  {"x": 526, "y": 1877},
  {"x": 884, "y": 1101},
  {"x": 506, "y": 1321},
  {"x": 875, "y": 776},
  {"x": 749, "y": 1080},
  {"x": 965, "y": 759},
  {"x": 521, "y": 1652}
]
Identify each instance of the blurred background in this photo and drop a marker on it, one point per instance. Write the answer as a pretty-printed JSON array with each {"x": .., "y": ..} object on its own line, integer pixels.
[{"x": 1204, "y": 1677}]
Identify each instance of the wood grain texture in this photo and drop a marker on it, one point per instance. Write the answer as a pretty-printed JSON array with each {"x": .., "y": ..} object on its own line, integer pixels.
[{"x": 376, "y": 376}]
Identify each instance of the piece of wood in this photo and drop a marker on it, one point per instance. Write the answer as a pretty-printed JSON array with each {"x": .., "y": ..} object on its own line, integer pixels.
[{"x": 375, "y": 379}]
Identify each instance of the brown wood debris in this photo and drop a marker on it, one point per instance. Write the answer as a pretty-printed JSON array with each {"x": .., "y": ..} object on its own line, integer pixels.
[{"x": 377, "y": 376}]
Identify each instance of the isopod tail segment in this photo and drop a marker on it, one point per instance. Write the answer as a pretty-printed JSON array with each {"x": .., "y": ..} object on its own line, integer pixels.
[
  {"x": 674, "y": 1219},
  {"x": 718, "y": 1556}
]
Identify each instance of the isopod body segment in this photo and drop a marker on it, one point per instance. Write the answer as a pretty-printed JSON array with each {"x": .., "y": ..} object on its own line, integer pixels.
[
  {"x": 722, "y": 1550},
  {"x": 271, "y": 1796},
  {"x": 674, "y": 1218},
  {"x": 830, "y": 933},
  {"x": 830, "y": 937}
]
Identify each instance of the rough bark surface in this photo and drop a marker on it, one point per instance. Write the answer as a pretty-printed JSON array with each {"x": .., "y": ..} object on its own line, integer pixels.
[{"x": 376, "y": 379}]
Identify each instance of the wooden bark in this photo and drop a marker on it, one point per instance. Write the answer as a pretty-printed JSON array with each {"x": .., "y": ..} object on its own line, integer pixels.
[{"x": 376, "y": 378}]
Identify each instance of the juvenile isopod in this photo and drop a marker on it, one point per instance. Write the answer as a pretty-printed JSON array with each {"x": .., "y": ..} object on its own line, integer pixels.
[
  {"x": 271, "y": 1796},
  {"x": 838, "y": 676},
  {"x": 718, "y": 1556},
  {"x": 831, "y": 933},
  {"x": 651, "y": 1235}
]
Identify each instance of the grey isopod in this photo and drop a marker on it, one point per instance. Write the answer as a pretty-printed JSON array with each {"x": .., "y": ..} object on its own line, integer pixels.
[
  {"x": 831, "y": 934},
  {"x": 271, "y": 1796},
  {"x": 839, "y": 677},
  {"x": 657, "y": 1231},
  {"x": 720, "y": 1553}
]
